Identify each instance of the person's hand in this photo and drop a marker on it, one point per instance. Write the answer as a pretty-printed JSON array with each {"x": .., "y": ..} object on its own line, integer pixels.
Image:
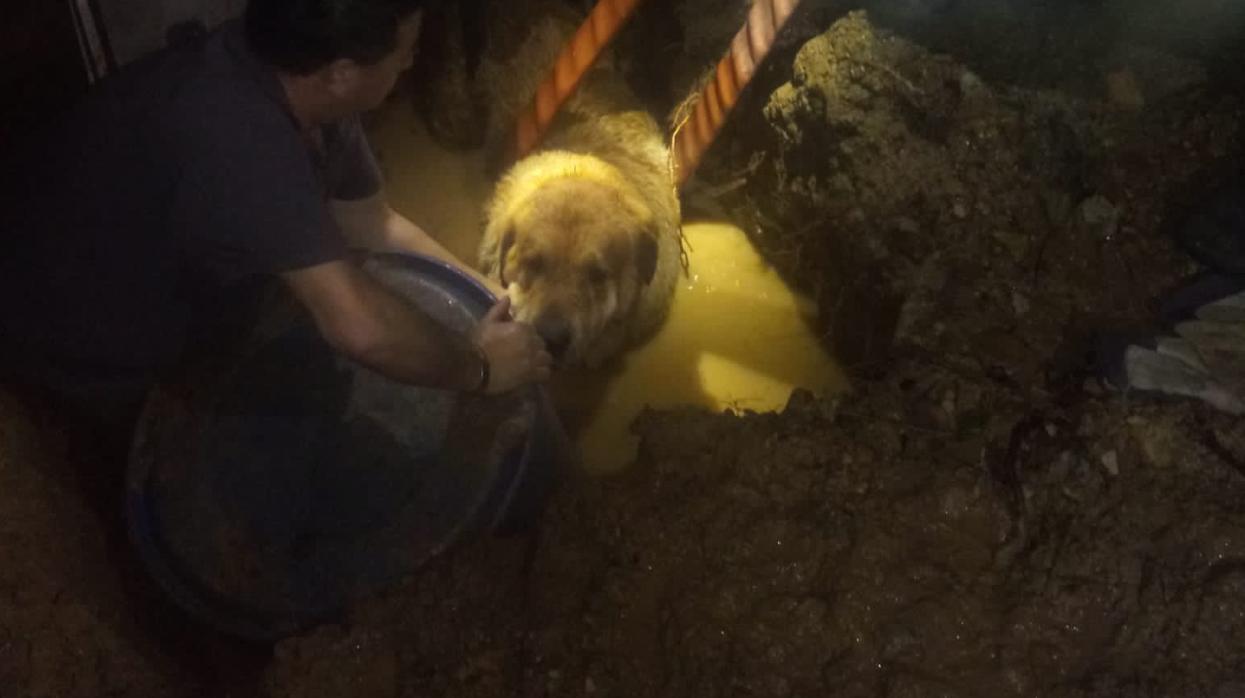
[{"x": 515, "y": 352}]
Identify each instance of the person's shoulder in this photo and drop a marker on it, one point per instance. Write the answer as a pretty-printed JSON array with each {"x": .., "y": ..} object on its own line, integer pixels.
[
  {"x": 222, "y": 100},
  {"x": 220, "y": 115},
  {"x": 224, "y": 94},
  {"x": 228, "y": 94}
]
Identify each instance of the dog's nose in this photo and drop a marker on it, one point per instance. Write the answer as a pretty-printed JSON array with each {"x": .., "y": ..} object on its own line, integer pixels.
[{"x": 556, "y": 333}]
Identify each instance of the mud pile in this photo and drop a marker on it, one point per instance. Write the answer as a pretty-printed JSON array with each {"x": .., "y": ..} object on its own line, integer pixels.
[
  {"x": 887, "y": 546},
  {"x": 998, "y": 218},
  {"x": 978, "y": 518}
]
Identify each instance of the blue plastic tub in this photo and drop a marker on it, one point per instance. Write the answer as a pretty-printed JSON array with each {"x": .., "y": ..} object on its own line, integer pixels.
[{"x": 271, "y": 485}]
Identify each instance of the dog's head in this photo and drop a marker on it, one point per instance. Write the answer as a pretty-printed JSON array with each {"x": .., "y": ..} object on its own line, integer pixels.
[{"x": 575, "y": 254}]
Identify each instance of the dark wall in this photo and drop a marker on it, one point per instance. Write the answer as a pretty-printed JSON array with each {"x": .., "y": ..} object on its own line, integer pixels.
[
  {"x": 40, "y": 65},
  {"x": 137, "y": 27}
]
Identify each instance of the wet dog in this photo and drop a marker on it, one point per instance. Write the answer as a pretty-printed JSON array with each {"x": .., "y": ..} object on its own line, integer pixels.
[{"x": 583, "y": 233}]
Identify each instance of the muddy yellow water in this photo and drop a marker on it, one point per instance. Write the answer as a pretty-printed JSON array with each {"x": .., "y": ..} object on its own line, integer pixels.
[{"x": 737, "y": 337}]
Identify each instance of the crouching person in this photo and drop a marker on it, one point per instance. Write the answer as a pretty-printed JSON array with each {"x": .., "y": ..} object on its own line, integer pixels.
[{"x": 192, "y": 176}]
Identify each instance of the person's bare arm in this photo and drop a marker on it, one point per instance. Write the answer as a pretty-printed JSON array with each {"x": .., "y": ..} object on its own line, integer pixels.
[
  {"x": 363, "y": 320},
  {"x": 373, "y": 224}
]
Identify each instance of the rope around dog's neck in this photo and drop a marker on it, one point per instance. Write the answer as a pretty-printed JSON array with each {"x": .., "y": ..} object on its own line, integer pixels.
[
  {"x": 717, "y": 97},
  {"x": 716, "y": 94},
  {"x": 685, "y": 246}
]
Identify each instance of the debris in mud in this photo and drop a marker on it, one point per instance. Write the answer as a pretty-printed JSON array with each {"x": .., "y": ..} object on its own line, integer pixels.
[
  {"x": 1004, "y": 192},
  {"x": 859, "y": 548}
]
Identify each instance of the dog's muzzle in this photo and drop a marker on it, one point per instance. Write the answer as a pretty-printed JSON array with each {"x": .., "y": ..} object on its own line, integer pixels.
[{"x": 557, "y": 335}]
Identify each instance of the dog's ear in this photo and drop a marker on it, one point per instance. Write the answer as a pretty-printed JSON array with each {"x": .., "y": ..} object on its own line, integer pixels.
[
  {"x": 504, "y": 251},
  {"x": 646, "y": 255}
]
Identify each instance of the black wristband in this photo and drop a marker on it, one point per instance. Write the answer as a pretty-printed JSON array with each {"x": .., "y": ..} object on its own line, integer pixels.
[{"x": 482, "y": 384}]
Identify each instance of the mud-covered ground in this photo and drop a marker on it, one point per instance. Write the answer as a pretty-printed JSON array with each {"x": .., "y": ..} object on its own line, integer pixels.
[{"x": 977, "y": 518}]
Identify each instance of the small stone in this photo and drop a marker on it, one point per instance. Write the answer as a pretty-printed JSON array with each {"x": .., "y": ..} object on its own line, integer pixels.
[
  {"x": 1100, "y": 215},
  {"x": 1098, "y": 209},
  {"x": 948, "y": 403},
  {"x": 971, "y": 86},
  {"x": 590, "y": 686},
  {"x": 1111, "y": 461},
  {"x": 907, "y": 226},
  {"x": 1021, "y": 304},
  {"x": 959, "y": 210},
  {"x": 1051, "y": 430}
]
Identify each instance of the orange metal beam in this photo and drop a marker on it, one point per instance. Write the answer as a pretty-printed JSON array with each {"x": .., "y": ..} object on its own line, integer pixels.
[
  {"x": 749, "y": 47},
  {"x": 692, "y": 137},
  {"x": 597, "y": 31}
]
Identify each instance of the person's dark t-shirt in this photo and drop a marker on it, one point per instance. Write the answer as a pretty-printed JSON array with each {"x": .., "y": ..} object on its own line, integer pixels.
[{"x": 180, "y": 179}]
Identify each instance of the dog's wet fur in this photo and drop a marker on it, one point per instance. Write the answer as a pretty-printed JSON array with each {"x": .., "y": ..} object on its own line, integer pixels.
[{"x": 584, "y": 232}]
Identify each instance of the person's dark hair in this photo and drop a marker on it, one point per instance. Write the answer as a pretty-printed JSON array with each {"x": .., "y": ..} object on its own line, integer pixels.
[{"x": 301, "y": 36}]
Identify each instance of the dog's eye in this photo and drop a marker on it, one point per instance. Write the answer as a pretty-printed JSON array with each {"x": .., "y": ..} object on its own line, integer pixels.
[
  {"x": 534, "y": 264},
  {"x": 596, "y": 274}
]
